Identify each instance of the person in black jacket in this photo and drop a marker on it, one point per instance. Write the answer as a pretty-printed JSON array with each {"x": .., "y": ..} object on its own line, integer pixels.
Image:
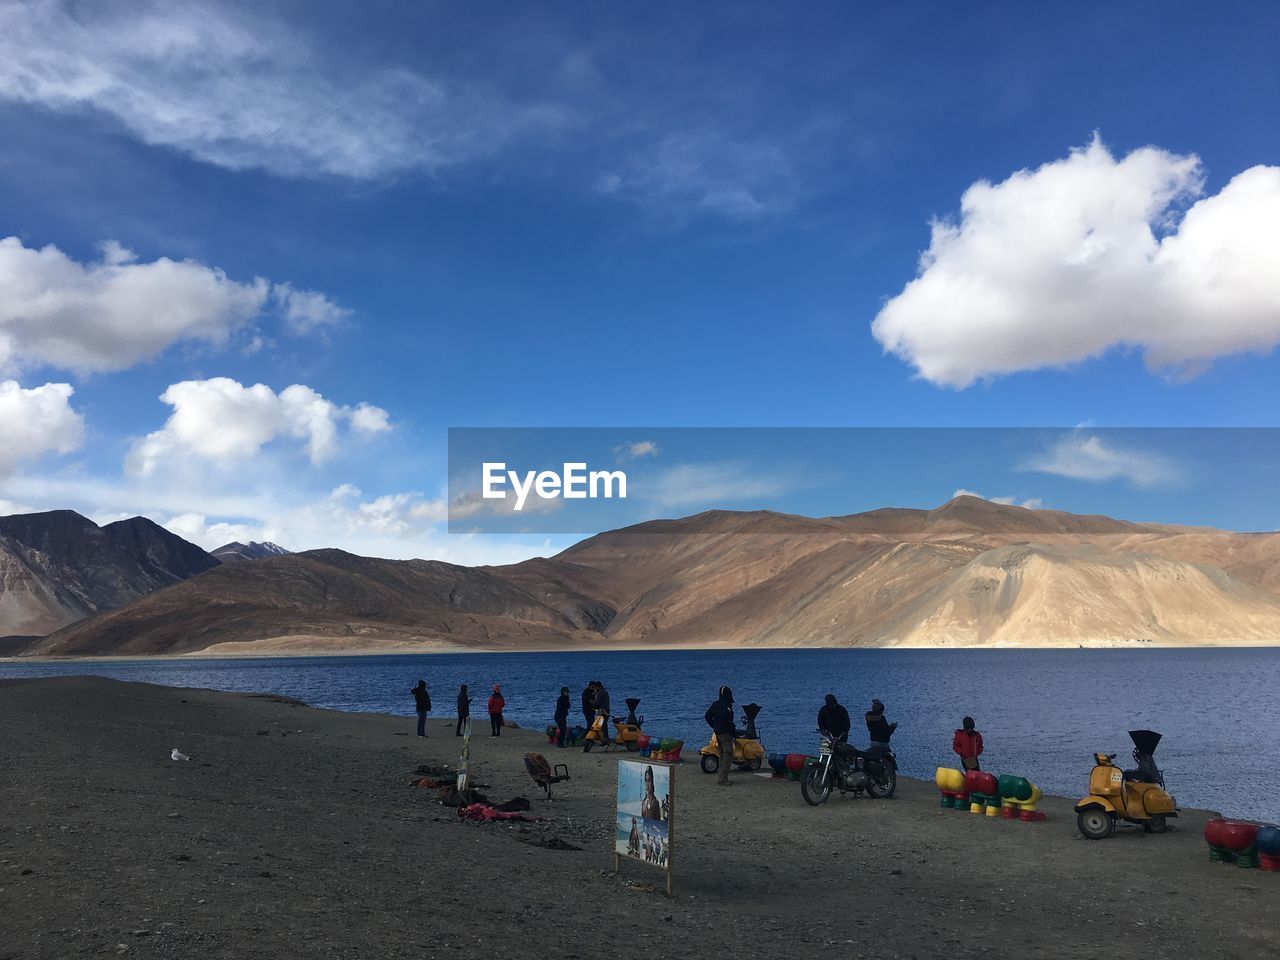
[
  {"x": 834, "y": 719},
  {"x": 719, "y": 718},
  {"x": 588, "y": 703},
  {"x": 464, "y": 708},
  {"x": 562, "y": 716},
  {"x": 422, "y": 703},
  {"x": 876, "y": 726}
]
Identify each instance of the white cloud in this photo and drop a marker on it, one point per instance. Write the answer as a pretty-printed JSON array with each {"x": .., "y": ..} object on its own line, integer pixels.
[
  {"x": 276, "y": 506},
  {"x": 1030, "y": 503},
  {"x": 34, "y": 421},
  {"x": 223, "y": 421},
  {"x": 116, "y": 312},
  {"x": 398, "y": 525},
  {"x": 304, "y": 310},
  {"x": 1058, "y": 264},
  {"x": 366, "y": 418},
  {"x": 705, "y": 484},
  {"x": 242, "y": 90},
  {"x": 472, "y": 503},
  {"x": 737, "y": 179},
  {"x": 1081, "y": 456},
  {"x": 636, "y": 449}
]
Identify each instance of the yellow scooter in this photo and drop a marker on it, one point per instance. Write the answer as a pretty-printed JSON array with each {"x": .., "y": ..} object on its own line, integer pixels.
[
  {"x": 1137, "y": 796},
  {"x": 748, "y": 754},
  {"x": 629, "y": 731}
]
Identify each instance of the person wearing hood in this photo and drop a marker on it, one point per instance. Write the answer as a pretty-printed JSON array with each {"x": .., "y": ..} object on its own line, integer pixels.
[
  {"x": 719, "y": 718},
  {"x": 496, "y": 706},
  {"x": 422, "y": 703},
  {"x": 464, "y": 708},
  {"x": 879, "y": 730},
  {"x": 588, "y": 703},
  {"x": 601, "y": 699},
  {"x": 562, "y": 716},
  {"x": 967, "y": 744},
  {"x": 834, "y": 719}
]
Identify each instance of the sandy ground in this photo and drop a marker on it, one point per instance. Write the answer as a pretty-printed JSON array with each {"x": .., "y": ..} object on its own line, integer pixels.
[{"x": 292, "y": 832}]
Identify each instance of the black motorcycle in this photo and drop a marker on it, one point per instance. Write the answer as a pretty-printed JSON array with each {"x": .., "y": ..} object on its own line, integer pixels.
[{"x": 849, "y": 770}]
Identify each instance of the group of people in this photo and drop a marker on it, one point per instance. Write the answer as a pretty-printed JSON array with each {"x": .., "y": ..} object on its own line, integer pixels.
[
  {"x": 496, "y": 706},
  {"x": 832, "y": 717},
  {"x": 642, "y": 845}
]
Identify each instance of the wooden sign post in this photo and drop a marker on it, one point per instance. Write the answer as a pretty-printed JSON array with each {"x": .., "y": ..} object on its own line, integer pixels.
[
  {"x": 465, "y": 759},
  {"x": 644, "y": 818}
]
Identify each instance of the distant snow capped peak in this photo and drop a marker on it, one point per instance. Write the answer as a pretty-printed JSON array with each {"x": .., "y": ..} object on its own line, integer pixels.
[{"x": 253, "y": 550}]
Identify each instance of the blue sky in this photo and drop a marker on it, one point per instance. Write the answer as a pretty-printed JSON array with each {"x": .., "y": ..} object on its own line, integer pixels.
[{"x": 573, "y": 215}]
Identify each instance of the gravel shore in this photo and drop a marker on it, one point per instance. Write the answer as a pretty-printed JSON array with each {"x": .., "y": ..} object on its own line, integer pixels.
[{"x": 294, "y": 832}]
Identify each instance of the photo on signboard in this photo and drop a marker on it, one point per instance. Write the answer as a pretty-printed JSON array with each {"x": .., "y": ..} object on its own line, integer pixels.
[{"x": 644, "y": 812}]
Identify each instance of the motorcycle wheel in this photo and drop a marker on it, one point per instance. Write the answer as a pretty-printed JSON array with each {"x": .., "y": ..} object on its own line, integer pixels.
[
  {"x": 883, "y": 788},
  {"x": 814, "y": 787},
  {"x": 754, "y": 764},
  {"x": 632, "y": 746},
  {"x": 1157, "y": 824},
  {"x": 709, "y": 763},
  {"x": 587, "y": 745},
  {"x": 1096, "y": 824}
]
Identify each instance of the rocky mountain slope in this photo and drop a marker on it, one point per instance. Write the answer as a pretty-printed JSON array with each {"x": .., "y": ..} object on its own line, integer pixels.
[
  {"x": 967, "y": 573},
  {"x": 58, "y": 567},
  {"x": 330, "y": 593},
  {"x": 253, "y": 550}
]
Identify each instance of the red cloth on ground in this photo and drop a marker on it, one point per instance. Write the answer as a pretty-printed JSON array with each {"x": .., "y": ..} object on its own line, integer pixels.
[{"x": 482, "y": 811}]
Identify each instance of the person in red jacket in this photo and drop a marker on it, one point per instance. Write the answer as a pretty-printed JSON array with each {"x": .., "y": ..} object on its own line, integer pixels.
[
  {"x": 496, "y": 705},
  {"x": 967, "y": 744}
]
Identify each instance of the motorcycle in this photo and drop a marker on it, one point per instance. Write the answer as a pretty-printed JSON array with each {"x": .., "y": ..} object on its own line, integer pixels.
[
  {"x": 748, "y": 754},
  {"x": 849, "y": 770},
  {"x": 629, "y": 730},
  {"x": 1137, "y": 796}
]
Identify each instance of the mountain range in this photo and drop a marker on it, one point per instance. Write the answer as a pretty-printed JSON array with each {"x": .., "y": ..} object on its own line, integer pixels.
[
  {"x": 968, "y": 573},
  {"x": 58, "y": 567}
]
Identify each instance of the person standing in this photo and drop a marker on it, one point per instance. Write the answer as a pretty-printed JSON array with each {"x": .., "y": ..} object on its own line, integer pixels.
[
  {"x": 588, "y": 703},
  {"x": 601, "y": 701},
  {"x": 422, "y": 703},
  {"x": 562, "y": 716},
  {"x": 496, "y": 705},
  {"x": 464, "y": 708},
  {"x": 834, "y": 719},
  {"x": 879, "y": 730},
  {"x": 967, "y": 743},
  {"x": 719, "y": 718}
]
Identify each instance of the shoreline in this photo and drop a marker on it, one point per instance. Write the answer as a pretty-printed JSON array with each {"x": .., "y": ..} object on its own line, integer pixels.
[{"x": 407, "y": 650}]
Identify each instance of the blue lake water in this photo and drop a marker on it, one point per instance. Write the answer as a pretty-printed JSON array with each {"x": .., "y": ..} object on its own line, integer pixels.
[{"x": 1042, "y": 712}]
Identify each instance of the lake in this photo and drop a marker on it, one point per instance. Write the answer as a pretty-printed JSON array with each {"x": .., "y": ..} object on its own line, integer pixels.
[{"x": 1042, "y": 712}]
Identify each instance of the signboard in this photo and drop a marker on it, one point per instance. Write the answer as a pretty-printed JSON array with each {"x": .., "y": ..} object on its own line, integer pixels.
[{"x": 644, "y": 816}]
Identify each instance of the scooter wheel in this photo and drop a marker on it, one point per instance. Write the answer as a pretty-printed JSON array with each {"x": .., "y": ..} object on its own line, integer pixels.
[
  {"x": 1157, "y": 824},
  {"x": 586, "y": 746},
  {"x": 631, "y": 746},
  {"x": 753, "y": 764},
  {"x": 709, "y": 763},
  {"x": 1096, "y": 824}
]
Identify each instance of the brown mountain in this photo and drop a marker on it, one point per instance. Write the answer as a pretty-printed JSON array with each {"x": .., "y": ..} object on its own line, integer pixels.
[
  {"x": 969, "y": 572},
  {"x": 58, "y": 567}
]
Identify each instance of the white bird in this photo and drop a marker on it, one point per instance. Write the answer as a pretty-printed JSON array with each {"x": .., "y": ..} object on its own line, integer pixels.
[{"x": 177, "y": 755}]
